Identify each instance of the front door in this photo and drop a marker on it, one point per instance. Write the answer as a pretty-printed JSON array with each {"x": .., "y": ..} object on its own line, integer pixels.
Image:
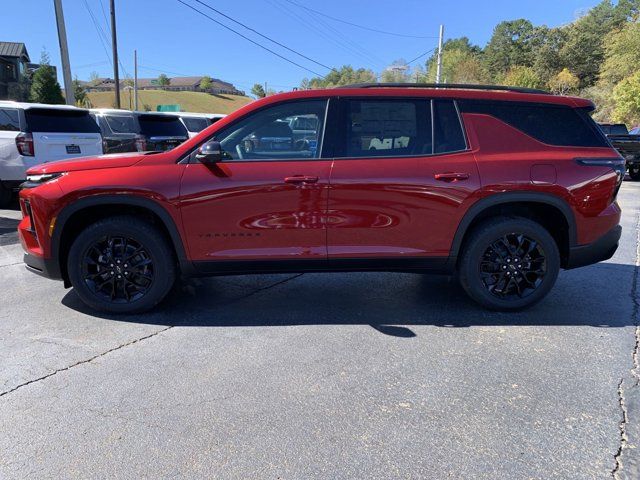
[
  {"x": 266, "y": 200},
  {"x": 400, "y": 183}
]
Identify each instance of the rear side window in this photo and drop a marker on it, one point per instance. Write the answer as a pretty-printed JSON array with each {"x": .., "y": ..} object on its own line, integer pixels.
[
  {"x": 161, "y": 126},
  {"x": 387, "y": 128},
  {"x": 195, "y": 124},
  {"x": 614, "y": 129},
  {"x": 551, "y": 124},
  {"x": 122, "y": 123},
  {"x": 62, "y": 121},
  {"x": 9, "y": 120},
  {"x": 447, "y": 129}
]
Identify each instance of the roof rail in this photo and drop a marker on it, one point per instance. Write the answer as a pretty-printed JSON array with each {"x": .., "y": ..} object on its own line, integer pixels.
[{"x": 446, "y": 86}]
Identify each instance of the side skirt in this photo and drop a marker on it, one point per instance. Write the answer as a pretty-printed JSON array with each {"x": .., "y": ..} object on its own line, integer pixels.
[{"x": 435, "y": 265}]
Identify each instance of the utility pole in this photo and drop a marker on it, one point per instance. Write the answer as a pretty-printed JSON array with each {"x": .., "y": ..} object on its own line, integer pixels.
[
  {"x": 64, "y": 54},
  {"x": 135, "y": 80},
  {"x": 439, "y": 69},
  {"x": 114, "y": 46}
]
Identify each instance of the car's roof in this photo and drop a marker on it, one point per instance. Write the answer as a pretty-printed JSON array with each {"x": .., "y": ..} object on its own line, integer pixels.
[
  {"x": 115, "y": 111},
  {"x": 26, "y": 106},
  {"x": 469, "y": 93},
  {"x": 201, "y": 115}
]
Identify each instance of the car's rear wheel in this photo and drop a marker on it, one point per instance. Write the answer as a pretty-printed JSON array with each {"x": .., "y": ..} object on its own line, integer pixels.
[
  {"x": 509, "y": 263},
  {"x": 121, "y": 265},
  {"x": 634, "y": 172}
]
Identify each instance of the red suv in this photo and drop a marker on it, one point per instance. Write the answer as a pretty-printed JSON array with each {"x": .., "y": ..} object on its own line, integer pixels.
[{"x": 501, "y": 186}]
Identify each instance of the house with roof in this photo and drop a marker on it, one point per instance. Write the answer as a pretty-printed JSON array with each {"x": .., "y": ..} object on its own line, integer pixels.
[{"x": 14, "y": 62}]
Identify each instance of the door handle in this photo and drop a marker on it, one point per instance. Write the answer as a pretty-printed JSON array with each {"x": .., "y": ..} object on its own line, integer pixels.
[
  {"x": 451, "y": 177},
  {"x": 296, "y": 179}
]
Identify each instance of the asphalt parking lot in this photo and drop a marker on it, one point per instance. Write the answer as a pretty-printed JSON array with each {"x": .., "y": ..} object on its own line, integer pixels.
[{"x": 372, "y": 376}]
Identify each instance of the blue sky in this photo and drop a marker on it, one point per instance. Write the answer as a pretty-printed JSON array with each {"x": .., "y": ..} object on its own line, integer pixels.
[{"x": 173, "y": 39}]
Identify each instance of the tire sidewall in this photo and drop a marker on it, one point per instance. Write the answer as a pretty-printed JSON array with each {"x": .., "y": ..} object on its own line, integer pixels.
[
  {"x": 478, "y": 243},
  {"x": 143, "y": 233}
]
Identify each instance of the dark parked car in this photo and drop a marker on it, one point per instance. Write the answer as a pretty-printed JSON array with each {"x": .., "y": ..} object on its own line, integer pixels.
[
  {"x": 627, "y": 144},
  {"x": 126, "y": 131},
  {"x": 120, "y": 130}
]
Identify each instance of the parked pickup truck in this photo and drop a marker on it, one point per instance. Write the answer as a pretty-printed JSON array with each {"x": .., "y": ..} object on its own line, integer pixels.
[{"x": 628, "y": 145}]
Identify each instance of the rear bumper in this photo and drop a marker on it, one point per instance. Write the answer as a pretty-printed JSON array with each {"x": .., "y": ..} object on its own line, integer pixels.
[
  {"x": 42, "y": 266},
  {"x": 598, "y": 251}
]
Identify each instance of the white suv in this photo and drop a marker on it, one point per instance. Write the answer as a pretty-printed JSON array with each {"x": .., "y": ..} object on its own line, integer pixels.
[{"x": 32, "y": 133}]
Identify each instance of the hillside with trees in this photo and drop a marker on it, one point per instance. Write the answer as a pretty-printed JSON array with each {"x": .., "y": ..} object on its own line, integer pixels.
[{"x": 596, "y": 56}]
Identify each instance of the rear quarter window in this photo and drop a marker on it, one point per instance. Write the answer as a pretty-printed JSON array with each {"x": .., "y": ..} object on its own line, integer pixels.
[
  {"x": 551, "y": 124},
  {"x": 9, "y": 120},
  {"x": 60, "y": 121},
  {"x": 161, "y": 126}
]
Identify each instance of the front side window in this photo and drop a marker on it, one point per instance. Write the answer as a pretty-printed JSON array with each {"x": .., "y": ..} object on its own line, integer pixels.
[
  {"x": 269, "y": 134},
  {"x": 387, "y": 128},
  {"x": 9, "y": 120}
]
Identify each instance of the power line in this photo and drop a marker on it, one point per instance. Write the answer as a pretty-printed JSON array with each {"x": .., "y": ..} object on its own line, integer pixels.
[
  {"x": 421, "y": 55},
  {"x": 260, "y": 34},
  {"x": 249, "y": 39},
  {"x": 320, "y": 30},
  {"x": 355, "y": 24},
  {"x": 98, "y": 30}
]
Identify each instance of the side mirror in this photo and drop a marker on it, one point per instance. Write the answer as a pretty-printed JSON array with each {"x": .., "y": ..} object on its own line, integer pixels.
[{"x": 210, "y": 152}]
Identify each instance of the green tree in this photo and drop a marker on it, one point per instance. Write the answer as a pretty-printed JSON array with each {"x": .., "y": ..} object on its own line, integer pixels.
[
  {"x": 44, "y": 86},
  {"x": 547, "y": 47},
  {"x": 584, "y": 51},
  {"x": 461, "y": 63},
  {"x": 622, "y": 53},
  {"x": 343, "y": 76},
  {"x": 521, "y": 76},
  {"x": 258, "y": 91},
  {"x": 510, "y": 45},
  {"x": 206, "y": 83},
  {"x": 626, "y": 96},
  {"x": 564, "y": 82},
  {"x": 80, "y": 94},
  {"x": 397, "y": 72},
  {"x": 163, "y": 80}
]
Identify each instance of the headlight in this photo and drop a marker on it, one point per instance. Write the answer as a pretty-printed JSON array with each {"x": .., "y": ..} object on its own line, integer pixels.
[{"x": 35, "y": 180}]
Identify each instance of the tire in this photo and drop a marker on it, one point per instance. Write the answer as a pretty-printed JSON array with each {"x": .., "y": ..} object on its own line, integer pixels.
[
  {"x": 6, "y": 195},
  {"x": 128, "y": 258},
  {"x": 504, "y": 280},
  {"x": 634, "y": 172}
]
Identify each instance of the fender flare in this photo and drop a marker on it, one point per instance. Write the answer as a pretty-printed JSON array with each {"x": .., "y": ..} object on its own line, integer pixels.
[
  {"x": 513, "y": 197},
  {"x": 134, "y": 200}
]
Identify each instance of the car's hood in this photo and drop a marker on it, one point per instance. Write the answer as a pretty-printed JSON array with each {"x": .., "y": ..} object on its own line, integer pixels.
[{"x": 87, "y": 163}]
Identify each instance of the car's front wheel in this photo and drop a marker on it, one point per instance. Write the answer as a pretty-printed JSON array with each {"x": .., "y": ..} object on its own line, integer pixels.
[
  {"x": 509, "y": 263},
  {"x": 121, "y": 264}
]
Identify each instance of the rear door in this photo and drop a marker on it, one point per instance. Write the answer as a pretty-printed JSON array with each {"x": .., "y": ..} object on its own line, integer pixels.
[
  {"x": 401, "y": 181},
  {"x": 12, "y": 165},
  {"x": 62, "y": 134}
]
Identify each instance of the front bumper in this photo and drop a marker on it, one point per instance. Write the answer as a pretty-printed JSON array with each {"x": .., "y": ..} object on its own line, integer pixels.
[
  {"x": 598, "y": 251},
  {"x": 44, "y": 267}
]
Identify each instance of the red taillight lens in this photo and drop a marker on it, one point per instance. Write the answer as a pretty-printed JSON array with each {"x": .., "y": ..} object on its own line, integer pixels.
[
  {"x": 141, "y": 144},
  {"x": 24, "y": 142}
]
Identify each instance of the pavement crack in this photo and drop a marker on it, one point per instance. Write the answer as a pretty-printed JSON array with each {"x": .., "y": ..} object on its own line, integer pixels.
[
  {"x": 624, "y": 439},
  {"x": 87, "y": 360}
]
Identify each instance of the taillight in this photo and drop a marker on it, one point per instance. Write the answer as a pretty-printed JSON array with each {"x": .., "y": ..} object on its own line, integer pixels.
[
  {"x": 617, "y": 164},
  {"x": 141, "y": 143},
  {"x": 24, "y": 142}
]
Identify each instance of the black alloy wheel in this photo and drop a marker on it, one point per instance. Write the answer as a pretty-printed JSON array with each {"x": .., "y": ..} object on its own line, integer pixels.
[{"x": 118, "y": 269}]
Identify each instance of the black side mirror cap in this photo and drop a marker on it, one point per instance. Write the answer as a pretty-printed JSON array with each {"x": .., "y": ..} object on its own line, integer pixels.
[{"x": 210, "y": 152}]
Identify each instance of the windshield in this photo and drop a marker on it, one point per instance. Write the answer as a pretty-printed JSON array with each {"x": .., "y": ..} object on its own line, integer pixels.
[
  {"x": 122, "y": 123},
  {"x": 58, "y": 120},
  {"x": 161, "y": 126},
  {"x": 195, "y": 124}
]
